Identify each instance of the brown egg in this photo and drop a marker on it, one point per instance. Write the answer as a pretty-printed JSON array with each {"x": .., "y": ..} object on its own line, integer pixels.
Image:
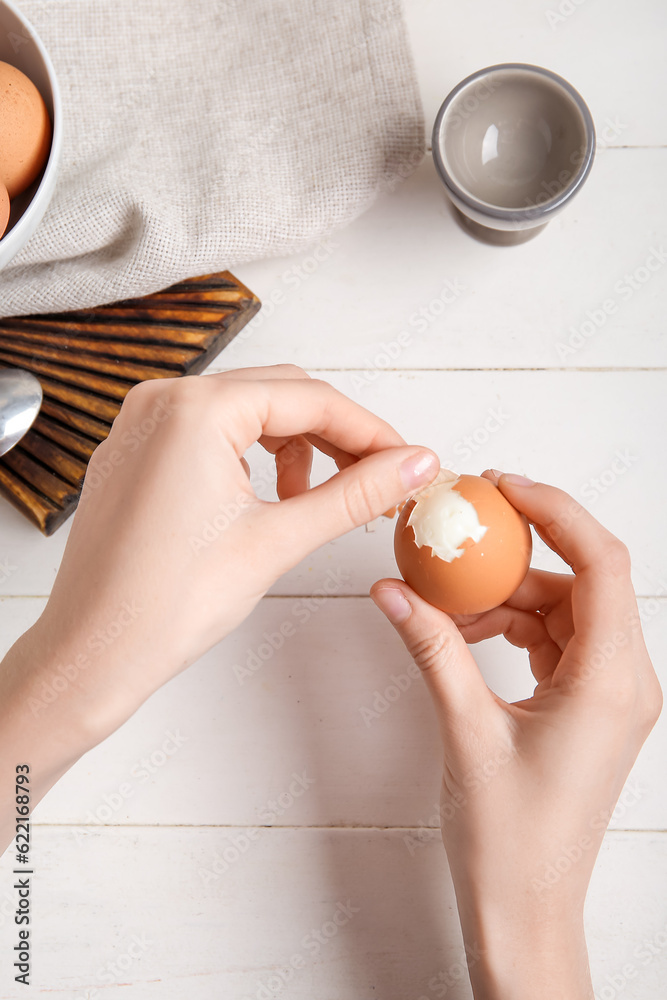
[
  {"x": 25, "y": 130},
  {"x": 4, "y": 208},
  {"x": 461, "y": 545}
]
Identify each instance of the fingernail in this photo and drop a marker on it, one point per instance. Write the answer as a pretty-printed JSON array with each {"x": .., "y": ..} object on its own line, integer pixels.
[
  {"x": 419, "y": 469},
  {"x": 509, "y": 477},
  {"x": 393, "y": 604},
  {"x": 493, "y": 475}
]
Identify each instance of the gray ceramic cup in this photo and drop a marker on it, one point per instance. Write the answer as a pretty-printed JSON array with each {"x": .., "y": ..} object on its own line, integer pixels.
[{"x": 512, "y": 144}]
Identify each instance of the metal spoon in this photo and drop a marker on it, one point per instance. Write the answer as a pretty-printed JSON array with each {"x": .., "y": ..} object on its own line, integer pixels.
[{"x": 20, "y": 400}]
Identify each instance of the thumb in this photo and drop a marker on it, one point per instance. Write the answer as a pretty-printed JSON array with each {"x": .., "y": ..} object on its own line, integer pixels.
[
  {"x": 439, "y": 650},
  {"x": 352, "y": 497}
]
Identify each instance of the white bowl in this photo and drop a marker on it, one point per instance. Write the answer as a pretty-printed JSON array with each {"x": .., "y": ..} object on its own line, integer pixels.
[{"x": 21, "y": 46}]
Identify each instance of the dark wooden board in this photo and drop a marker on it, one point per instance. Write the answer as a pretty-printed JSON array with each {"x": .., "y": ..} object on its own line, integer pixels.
[{"x": 87, "y": 361}]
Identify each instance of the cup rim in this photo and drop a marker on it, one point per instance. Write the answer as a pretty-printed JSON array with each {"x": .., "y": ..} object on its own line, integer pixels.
[
  {"x": 16, "y": 235},
  {"x": 527, "y": 212}
]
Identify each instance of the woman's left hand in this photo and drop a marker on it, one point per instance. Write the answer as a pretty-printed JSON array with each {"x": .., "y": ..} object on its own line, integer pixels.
[{"x": 171, "y": 548}]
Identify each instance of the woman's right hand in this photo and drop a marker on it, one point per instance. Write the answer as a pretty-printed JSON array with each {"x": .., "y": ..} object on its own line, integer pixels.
[{"x": 529, "y": 788}]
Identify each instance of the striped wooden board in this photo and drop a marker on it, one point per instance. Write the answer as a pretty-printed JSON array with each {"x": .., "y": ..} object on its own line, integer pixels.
[{"x": 87, "y": 361}]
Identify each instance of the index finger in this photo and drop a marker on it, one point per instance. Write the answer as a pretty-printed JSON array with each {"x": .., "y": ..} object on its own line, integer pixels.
[
  {"x": 600, "y": 562},
  {"x": 284, "y": 408},
  {"x": 286, "y": 372},
  {"x": 262, "y": 373},
  {"x": 293, "y": 458}
]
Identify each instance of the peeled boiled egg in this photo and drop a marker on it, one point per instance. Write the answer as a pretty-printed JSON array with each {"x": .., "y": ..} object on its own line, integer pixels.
[
  {"x": 4, "y": 208},
  {"x": 25, "y": 130},
  {"x": 461, "y": 545}
]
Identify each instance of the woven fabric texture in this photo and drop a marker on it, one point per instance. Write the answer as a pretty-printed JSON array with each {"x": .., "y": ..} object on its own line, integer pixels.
[{"x": 205, "y": 133}]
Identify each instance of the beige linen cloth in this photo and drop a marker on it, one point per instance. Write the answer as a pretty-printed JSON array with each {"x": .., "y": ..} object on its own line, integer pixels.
[{"x": 203, "y": 133}]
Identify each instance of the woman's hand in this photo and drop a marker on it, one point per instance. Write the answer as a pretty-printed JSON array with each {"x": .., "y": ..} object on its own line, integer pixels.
[
  {"x": 170, "y": 548},
  {"x": 529, "y": 788},
  {"x": 171, "y": 529}
]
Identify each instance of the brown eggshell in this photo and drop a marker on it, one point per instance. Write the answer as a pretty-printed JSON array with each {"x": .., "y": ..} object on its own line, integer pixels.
[
  {"x": 4, "y": 208},
  {"x": 25, "y": 130},
  {"x": 488, "y": 572}
]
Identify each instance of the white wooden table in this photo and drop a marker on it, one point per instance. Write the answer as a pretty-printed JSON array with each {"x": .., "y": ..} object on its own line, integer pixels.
[{"x": 257, "y": 839}]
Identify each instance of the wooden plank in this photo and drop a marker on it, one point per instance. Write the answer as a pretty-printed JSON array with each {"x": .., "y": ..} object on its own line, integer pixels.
[
  {"x": 75, "y": 419},
  {"x": 339, "y": 690},
  {"x": 154, "y": 914},
  {"x": 406, "y": 288},
  {"x": 42, "y": 480},
  {"x": 612, "y": 411},
  {"x": 97, "y": 406},
  {"x": 89, "y": 379},
  {"x": 33, "y": 505},
  {"x": 23, "y": 355},
  {"x": 55, "y": 458},
  {"x": 23, "y": 340},
  {"x": 76, "y": 443},
  {"x": 143, "y": 332},
  {"x": 169, "y": 314}
]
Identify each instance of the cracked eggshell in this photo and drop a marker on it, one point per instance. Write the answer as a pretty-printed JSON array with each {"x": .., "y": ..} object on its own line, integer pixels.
[{"x": 484, "y": 573}]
